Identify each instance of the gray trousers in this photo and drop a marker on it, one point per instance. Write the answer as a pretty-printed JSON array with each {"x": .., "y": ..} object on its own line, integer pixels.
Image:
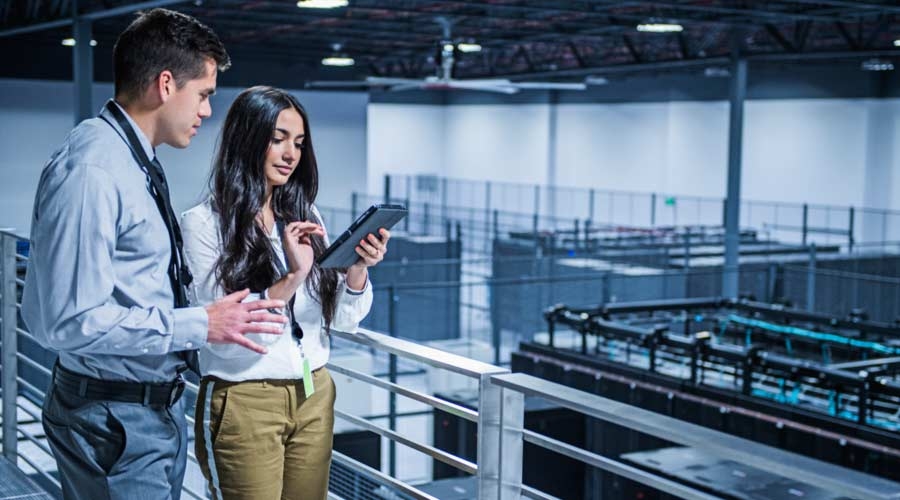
[{"x": 108, "y": 450}]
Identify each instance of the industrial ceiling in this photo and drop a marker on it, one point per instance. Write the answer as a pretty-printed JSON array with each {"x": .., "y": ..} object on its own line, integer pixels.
[{"x": 520, "y": 39}]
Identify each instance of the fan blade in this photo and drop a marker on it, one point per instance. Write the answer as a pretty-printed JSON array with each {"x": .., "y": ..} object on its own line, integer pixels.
[
  {"x": 378, "y": 80},
  {"x": 337, "y": 84},
  {"x": 549, "y": 86},
  {"x": 484, "y": 85},
  {"x": 483, "y": 82},
  {"x": 406, "y": 86}
]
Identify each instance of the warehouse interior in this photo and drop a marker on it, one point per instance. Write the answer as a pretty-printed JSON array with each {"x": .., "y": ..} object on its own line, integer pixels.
[{"x": 652, "y": 250}]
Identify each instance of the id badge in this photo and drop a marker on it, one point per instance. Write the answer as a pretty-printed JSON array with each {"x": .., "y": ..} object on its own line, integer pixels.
[{"x": 308, "y": 388}]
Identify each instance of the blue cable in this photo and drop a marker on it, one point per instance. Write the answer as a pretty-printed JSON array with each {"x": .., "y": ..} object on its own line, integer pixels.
[{"x": 819, "y": 336}]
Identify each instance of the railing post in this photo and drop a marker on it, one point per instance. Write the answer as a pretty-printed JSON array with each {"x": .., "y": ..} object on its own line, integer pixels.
[
  {"x": 591, "y": 203},
  {"x": 495, "y": 224},
  {"x": 354, "y": 204},
  {"x": 487, "y": 200},
  {"x": 811, "y": 279},
  {"x": 392, "y": 376},
  {"x": 10, "y": 347},
  {"x": 444, "y": 198},
  {"x": 805, "y": 221},
  {"x": 850, "y": 238},
  {"x": 406, "y": 219},
  {"x": 687, "y": 251},
  {"x": 501, "y": 414},
  {"x": 387, "y": 188},
  {"x": 575, "y": 242}
]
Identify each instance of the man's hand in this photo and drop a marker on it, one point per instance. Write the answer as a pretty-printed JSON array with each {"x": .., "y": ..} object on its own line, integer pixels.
[{"x": 230, "y": 320}]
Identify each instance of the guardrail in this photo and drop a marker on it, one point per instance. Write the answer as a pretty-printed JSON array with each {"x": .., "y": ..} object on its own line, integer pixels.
[{"x": 499, "y": 417}]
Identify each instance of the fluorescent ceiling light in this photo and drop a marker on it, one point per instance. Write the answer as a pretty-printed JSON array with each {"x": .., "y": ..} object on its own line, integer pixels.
[
  {"x": 660, "y": 27},
  {"x": 596, "y": 80},
  {"x": 716, "y": 72},
  {"x": 322, "y": 4},
  {"x": 70, "y": 42},
  {"x": 468, "y": 47},
  {"x": 897, "y": 42},
  {"x": 338, "y": 61},
  {"x": 448, "y": 47},
  {"x": 877, "y": 65}
]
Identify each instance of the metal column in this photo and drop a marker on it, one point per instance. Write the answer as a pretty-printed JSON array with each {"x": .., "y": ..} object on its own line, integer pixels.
[
  {"x": 735, "y": 149},
  {"x": 10, "y": 347},
  {"x": 82, "y": 66},
  {"x": 552, "y": 175}
]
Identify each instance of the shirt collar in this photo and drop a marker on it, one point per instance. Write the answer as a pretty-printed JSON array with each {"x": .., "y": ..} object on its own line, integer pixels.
[{"x": 145, "y": 142}]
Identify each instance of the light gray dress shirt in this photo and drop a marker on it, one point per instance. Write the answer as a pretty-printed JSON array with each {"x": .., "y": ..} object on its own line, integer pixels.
[{"x": 97, "y": 289}]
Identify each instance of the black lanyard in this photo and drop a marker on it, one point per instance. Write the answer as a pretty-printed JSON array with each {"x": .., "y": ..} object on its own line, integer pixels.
[
  {"x": 179, "y": 274},
  {"x": 295, "y": 327}
]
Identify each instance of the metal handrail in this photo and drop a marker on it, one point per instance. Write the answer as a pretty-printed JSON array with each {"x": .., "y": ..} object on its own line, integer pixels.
[
  {"x": 499, "y": 416},
  {"x": 616, "y": 467},
  {"x": 451, "y": 408},
  {"x": 420, "y": 353},
  {"x": 835, "y": 479},
  {"x": 500, "y": 420},
  {"x": 443, "y": 456}
]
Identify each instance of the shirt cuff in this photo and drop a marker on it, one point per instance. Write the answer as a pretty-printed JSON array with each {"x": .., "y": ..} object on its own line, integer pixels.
[
  {"x": 351, "y": 291},
  {"x": 191, "y": 328}
]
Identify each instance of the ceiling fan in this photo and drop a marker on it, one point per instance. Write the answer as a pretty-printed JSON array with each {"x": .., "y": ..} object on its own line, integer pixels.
[{"x": 443, "y": 79}]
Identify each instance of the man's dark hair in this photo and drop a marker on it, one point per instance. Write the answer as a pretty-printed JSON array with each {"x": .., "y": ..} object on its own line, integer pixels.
[{"x": 160, "y": 40}]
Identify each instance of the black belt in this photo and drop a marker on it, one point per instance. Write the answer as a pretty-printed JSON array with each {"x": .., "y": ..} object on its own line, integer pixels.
[{"x": 161, "y": 394}]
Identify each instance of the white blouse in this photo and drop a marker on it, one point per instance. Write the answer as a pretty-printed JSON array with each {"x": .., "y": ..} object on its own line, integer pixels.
[{"x": 202, "y": 247}]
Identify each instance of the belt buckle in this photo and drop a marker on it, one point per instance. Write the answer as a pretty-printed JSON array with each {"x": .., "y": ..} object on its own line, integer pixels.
[{"x": 177, "y": 391}]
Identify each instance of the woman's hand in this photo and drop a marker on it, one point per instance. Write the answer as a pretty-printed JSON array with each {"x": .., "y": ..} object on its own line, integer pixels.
[
  {"x": 298, "y": 247},
  {"x": 371, "y": 251}
]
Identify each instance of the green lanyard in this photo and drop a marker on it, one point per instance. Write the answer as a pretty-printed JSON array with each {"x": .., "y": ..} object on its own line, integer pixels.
[{"x": 296, "y": 331}]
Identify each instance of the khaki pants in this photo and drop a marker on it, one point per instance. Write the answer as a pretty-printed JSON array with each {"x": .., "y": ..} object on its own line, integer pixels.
[{"x": 268, "y": 441}]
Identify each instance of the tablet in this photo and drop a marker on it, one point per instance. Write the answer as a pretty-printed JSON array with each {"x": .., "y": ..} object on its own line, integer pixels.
[{"x": 342, "y": 252}]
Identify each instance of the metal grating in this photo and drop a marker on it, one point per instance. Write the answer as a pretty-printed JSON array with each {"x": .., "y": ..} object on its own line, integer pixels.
[
  {"x": 16, "y": 485},
  {"x": 349, "y": 484}
]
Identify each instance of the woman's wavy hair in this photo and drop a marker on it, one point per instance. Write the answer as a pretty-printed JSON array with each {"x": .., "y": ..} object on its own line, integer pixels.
[{"x": 238, "y": 185}]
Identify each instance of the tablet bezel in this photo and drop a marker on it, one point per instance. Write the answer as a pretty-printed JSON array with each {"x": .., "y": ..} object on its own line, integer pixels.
[{"x": 383, "y": 215}]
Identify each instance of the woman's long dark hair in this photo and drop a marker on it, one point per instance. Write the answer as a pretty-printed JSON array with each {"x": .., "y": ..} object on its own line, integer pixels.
[{"x": 239, "y": 188}]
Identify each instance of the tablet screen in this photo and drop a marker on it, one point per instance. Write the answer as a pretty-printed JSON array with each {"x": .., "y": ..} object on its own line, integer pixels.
[{"x": 342, "y": 252}]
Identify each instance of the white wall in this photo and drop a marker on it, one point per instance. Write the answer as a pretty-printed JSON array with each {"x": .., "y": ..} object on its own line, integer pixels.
[
  {"x": 882, "y": 177},
  {"x": 404, "y": 139},
  {"x": 806, "y": 150},
  {"x": 505, "y": 142},
  {"x": 35, "y": 117},
  {"x": 825, "y": 151}
]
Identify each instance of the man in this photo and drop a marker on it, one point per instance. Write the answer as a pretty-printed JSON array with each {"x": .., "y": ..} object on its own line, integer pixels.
[{"x": 106, "y": 278}]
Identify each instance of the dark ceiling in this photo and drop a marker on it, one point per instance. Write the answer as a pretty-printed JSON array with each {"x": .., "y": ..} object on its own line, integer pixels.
[{"x": 521, "y": 39}]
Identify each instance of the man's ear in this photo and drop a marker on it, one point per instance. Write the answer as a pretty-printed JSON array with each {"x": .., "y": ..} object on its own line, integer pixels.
[{"x": 165, "y": 85}]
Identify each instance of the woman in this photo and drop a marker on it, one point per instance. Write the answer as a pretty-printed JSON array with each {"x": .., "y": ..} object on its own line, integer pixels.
[{"x": 264, "y": 422}]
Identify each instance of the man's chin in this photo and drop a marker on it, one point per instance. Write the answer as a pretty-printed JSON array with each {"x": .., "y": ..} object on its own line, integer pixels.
[{"x": 181, "y": 144}]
